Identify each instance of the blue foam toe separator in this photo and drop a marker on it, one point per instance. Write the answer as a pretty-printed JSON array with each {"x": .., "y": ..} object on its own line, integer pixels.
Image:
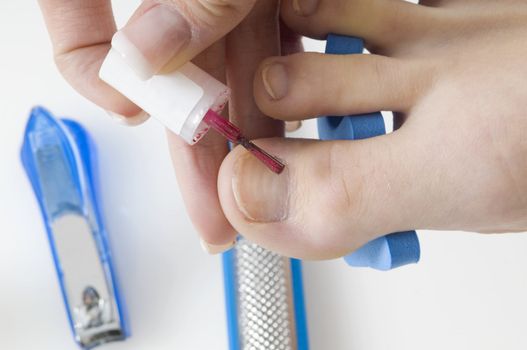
[{"x": 393, "y": 250}]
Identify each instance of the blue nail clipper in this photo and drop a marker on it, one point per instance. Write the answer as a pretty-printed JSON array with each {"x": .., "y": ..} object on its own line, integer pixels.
[
  {"x": 60, "y": 161},
  {"x": 393, "y": 250}
]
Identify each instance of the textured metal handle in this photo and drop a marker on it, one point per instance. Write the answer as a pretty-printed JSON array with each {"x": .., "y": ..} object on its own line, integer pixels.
[{"x": 265, "y": 304}]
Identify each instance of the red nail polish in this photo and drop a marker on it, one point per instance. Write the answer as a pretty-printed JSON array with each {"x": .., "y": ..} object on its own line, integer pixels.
[{"x": 234, "y": 134}]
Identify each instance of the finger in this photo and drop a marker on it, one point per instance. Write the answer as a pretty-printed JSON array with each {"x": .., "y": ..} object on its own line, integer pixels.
[
  {"x": 80, "y": 32},
  {"x": 197, "y": 170},
  {"x": 256, "y": 38},
  {"x": 382, "y": 23},
  {"x": 332, "y": 198},
  {"x": 166, "y": 34},
  {"x": 307, "y": 85},
  {"x": 291, "y": 42}
]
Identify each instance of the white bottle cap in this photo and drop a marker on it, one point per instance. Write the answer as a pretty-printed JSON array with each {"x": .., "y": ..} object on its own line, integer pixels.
[{"x": 179, "y": 100}]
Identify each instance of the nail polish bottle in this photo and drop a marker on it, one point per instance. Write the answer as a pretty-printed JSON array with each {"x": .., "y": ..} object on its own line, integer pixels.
[{"x": 179, "y": 100}]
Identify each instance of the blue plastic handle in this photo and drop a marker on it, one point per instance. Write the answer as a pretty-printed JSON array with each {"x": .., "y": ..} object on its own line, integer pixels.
[{"x": 393, "y": 250}]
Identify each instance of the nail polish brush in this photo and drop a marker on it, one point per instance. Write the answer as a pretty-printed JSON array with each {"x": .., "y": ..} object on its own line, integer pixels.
[
  {"x": 234, "y": 135},
  {"x": 187, "y": 101}
]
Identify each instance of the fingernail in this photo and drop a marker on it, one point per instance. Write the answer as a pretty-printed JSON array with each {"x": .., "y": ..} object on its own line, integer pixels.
[
  {"x": 305, "y": 7},
  {"x": 216, "y": 249},
  {"x": 261, "y": 195},
  {"x": 274, "y": 78},
  {"x": 149, "y": 42},
  {"x": 135, "y": 120},
  {"x": 293, "y": 126}
]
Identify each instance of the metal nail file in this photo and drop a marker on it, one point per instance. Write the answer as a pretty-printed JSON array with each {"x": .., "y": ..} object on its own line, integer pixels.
[
  {"x": 386, "y": 252},
  {"x": 59, "y": 159},
  {"x": 264, "y": 298}
]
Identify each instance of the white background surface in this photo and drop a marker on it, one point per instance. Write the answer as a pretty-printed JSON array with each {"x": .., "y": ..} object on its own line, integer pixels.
[{"x": 468, "y": 292}]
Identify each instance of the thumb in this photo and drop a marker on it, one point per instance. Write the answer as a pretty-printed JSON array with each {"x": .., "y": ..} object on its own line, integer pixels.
[
  {"x": 332, "y": 198},
  {"x": 163, "y": 35}
]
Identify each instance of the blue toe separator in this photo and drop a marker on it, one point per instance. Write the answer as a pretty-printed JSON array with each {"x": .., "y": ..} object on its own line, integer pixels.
[{"x": 393, "y": 250}]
